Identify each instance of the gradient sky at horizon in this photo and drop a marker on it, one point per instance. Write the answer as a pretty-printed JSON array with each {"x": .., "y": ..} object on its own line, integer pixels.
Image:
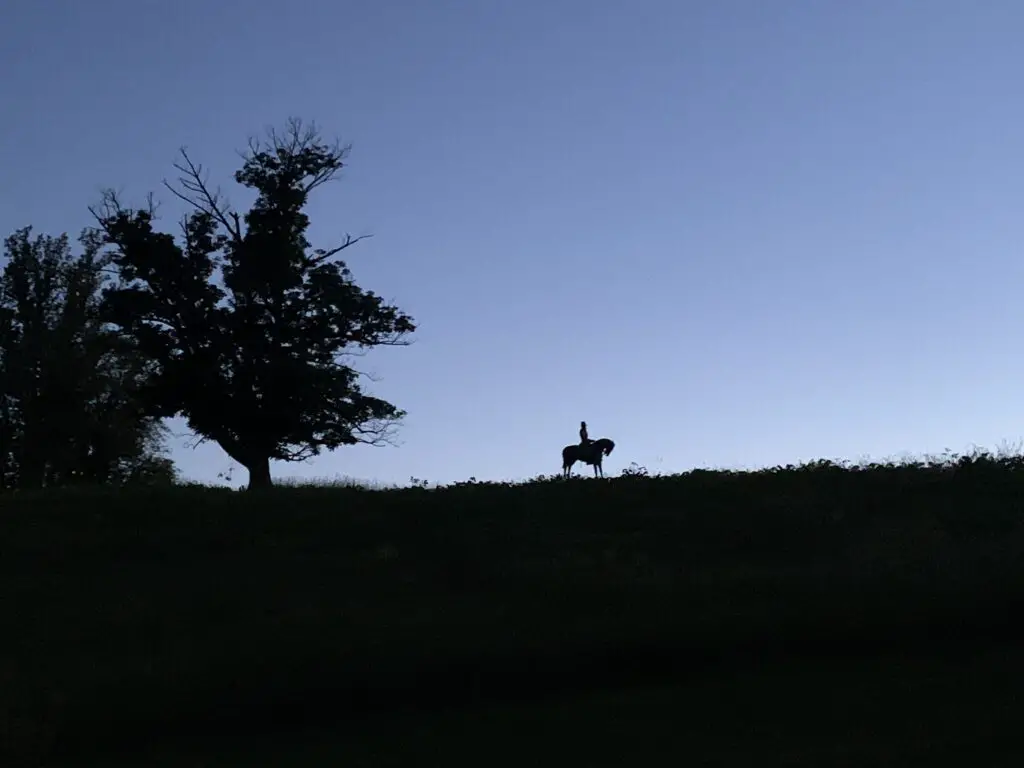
[{"x": 724, "y": 232}]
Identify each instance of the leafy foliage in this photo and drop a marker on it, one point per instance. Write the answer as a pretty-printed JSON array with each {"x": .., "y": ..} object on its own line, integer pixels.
[
  {"x": 69, "y": 411},
  {"x": 250, "y": 330}
]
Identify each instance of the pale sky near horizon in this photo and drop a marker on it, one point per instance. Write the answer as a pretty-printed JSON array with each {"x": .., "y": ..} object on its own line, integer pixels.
[{"x": 723, "y": 232}]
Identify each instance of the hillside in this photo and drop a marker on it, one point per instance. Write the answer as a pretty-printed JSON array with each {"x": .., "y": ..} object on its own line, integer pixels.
[{"x": 173, "y": 616}]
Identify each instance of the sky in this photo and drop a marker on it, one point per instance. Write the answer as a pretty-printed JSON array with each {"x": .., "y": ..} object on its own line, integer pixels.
[{"x": 725, "y": 233}]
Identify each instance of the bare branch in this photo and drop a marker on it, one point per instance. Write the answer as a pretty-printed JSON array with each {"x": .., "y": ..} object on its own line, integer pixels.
[
  {"x": 321, "y": 255},
  {"x": 197, "y": 194},
  {"x": 110, "y": 207},
  {"x": 196, "y": 439},
  {"x": 395, "y": 339},
  {"x": 373, "y": 377},
  {"x": 352, "y": 352},
  {"x": 378, "y": 432}
]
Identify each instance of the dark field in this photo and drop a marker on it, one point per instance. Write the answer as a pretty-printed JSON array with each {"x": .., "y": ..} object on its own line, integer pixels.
[
  {"x": 814, "y": 615},
  {"x": 890, "y": 711}
]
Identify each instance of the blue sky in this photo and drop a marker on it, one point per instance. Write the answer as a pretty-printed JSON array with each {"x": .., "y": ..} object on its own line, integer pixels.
[{"x": 723, "y": 232}]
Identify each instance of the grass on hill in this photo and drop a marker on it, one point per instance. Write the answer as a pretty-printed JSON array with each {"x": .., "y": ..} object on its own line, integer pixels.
[{"x": 158, "y": 617}]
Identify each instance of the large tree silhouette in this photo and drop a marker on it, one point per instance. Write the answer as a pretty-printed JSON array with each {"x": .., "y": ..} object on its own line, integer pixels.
[{"x": 252, "y": 331}]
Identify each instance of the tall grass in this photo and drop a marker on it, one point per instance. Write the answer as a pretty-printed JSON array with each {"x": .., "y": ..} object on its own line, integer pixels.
[{"x": 152, "y": 614}]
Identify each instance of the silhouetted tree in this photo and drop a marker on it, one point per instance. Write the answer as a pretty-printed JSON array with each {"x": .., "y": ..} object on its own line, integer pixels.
[
  {"x": 250, "y": 329},
  {"x": 10, "y": 416},
  {"x": 69, "y": 412}
]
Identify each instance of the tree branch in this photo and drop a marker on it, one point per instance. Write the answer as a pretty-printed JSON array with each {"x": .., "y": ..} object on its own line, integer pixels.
[
  {"x": 321, "y": 254},
  {"x": 303, "y": 453},
  {"x": 376, "y": 433},
  {"x": 198, "y": 195},
  {"x": 110, "y": 207}
]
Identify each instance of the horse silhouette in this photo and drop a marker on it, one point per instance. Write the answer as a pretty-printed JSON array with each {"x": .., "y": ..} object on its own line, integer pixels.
[{"x": 592, "y": 453}]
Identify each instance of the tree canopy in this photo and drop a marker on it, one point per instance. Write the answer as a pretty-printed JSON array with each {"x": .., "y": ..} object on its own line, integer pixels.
[{"x": 251, "y": 333}]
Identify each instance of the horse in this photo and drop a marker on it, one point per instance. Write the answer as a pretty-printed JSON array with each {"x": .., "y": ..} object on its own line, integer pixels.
[{"x": 591, "y": 453}]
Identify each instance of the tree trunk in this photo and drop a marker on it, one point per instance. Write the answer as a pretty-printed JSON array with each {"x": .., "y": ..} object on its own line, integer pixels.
[{"x": 259, "y": 474}]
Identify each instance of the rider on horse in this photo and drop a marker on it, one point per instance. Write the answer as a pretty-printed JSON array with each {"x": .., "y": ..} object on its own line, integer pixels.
[
  {"x": 588, "y": 451},
  {"x": 584, "y": 438}
]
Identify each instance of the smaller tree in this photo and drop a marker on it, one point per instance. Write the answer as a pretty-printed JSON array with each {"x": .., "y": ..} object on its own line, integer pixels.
[
  {"x": 250, "y": 331},
  {"x": 69, "y": 411}
]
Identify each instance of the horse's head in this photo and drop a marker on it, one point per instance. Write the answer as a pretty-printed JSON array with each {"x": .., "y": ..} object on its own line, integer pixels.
[{"x": 607, "y": 446}]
